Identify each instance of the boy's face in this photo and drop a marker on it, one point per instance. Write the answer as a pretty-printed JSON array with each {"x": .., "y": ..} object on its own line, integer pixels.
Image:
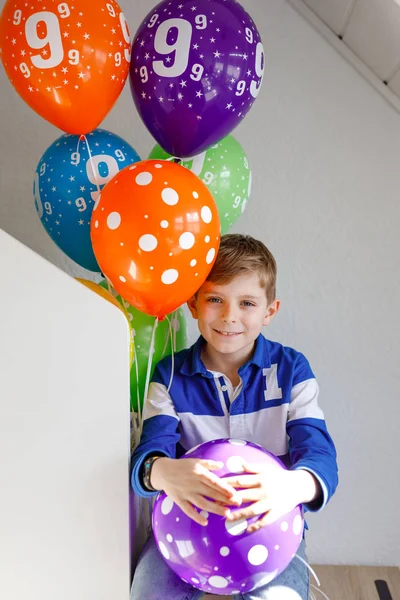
[{"x": 231, "y": 316}]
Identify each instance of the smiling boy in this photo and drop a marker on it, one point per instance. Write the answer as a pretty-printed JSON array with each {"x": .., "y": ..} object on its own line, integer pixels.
[{"x": 233, "y": 383}]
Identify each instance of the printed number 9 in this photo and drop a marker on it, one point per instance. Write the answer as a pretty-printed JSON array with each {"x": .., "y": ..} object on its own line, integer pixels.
[
  {"x": 75, "y": 158},
  {"x": 260, "y": 60},
  {"x": 110, "y": 9},
  {"x": 125, "y": 33},
  {"x": 81, "y": 204},
  {"x": 181, "y": 47},
  {"x": 52, "y": 38},
  {"x": 63, "y": 9},
  {"x": 201, "y": 22},
  {"x": 17, "y": 17}
]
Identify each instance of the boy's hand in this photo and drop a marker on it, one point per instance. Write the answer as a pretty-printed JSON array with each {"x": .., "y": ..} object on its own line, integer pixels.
[
  {"x": 272, "y": 491},
  {"x": 190, "y": 483}
]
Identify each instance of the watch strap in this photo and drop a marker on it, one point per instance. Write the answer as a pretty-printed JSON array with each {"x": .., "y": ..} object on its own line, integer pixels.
[{"x": 147, "y": 466}]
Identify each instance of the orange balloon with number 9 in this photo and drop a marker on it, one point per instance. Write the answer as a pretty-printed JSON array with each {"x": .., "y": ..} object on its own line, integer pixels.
[
  {"x": 155, "y": 232},
  {"x": 68, "y": 60}
]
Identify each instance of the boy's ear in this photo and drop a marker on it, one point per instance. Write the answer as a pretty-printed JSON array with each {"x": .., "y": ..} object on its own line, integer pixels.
[
  {"x": 192, "y": 304},
  {"x": 271, "y": 311}
]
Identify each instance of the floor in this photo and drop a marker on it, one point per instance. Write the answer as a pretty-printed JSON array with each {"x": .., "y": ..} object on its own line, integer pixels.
[{"x": 352, "y": 583}]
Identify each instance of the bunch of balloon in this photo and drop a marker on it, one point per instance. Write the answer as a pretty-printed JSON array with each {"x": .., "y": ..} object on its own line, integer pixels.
[
  {"x": 68, "y": 60},
  {"x": 68, "y": 179}
]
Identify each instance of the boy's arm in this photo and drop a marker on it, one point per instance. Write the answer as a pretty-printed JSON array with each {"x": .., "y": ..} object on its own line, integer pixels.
[
  {"x": 160, "y": 433},
  {"x": 311, "y": 447}
]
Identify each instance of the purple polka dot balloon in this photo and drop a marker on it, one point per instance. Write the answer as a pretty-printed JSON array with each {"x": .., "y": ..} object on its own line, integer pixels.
[
  {"x": 196, "y": 70},
  {"x": 222, "y": 558}
]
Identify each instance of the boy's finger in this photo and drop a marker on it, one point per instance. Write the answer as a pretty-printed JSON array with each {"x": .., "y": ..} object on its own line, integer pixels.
[
  {"x": 192, "y": 513},
  {"x": 211, "y": 507},
  {"x": 256, "y": 508},
  {"x": 219, "y": 484},
  {"x": 242, "y": 481},
  {"x": 212, "y": 465},
  {"x": 220, "y": 496}
]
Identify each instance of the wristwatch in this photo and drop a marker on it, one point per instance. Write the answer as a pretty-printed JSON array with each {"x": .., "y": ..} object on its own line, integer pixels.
[{"x": 147, "y": 466}]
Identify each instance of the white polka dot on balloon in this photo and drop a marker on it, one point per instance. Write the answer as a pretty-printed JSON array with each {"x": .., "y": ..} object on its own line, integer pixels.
[
  {"x": 164, "y": 224},
  {"x": 207, "y": 239},
  {"x": 167, "y": 505},
  {"x": 170, "y": 196},
  {"x": 237, "y": 442},
  {"x": 186, "y": 240},
  {"x": 234, "y": 464},
  {"x": 257, "y": 555},
  {"x": 284, "y": 525},
  {"x": 210, "y": 256},
  {"x": 148, "y": 242},
  {"x": 96, "y": 224},
  {"x": 169, "y": 276},
  {"x": 297, "y": 525},
  {"x": 206, "y": 214},
  {"x": 164, "y": 550},
  {"x": 158, "y": 166},
  {"x": 236, "y": 527},
  {"x": 195, "y": 580},
  {"x": 204, "y": 514},
  {"x": 224, "y": 551},
  {"x": 193, "y": 262},
  {"x": 144, "y": 178},
  {"x": 169, "y": 538},
  {"x": 195, "y": 195},
  {"x": 114, "y": 220},
  {"x": 218, "y": 582},
  {"x": 122, "y": 278}
]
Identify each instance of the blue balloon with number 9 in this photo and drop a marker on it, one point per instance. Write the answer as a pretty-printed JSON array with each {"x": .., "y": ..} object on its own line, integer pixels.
[{"x": 68, "y": 178}]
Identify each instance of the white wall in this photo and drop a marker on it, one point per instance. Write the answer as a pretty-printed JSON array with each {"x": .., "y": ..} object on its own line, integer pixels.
[
  {"x": 64, "y": 435},
  {"x": 325, "y": 149}
]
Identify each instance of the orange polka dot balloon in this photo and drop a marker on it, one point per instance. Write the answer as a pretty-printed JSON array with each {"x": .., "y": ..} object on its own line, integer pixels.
[
  {"x": 68, "y": 60},
  {"x": 155, "y": 232}
]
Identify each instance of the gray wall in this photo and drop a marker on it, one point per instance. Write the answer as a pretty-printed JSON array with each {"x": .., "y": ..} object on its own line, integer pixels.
[{"x": 324, "y": 149}]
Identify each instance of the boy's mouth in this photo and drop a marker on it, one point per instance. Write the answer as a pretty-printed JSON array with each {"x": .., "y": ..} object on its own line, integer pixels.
[{"x": 228, "y": 333}]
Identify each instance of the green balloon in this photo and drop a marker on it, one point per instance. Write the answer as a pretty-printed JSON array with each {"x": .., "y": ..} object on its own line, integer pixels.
[
  {"x": 225, "y": 170},
  {"x": 142, "y": 329}
]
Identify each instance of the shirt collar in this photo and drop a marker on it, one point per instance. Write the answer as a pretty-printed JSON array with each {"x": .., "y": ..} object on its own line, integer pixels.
[{"x": 193, "y": 363}]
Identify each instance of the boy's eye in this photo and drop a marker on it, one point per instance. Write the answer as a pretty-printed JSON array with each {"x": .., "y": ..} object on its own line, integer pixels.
[
  {"x": 213, "y": 299},
  {"x": 248, "y": 303}
]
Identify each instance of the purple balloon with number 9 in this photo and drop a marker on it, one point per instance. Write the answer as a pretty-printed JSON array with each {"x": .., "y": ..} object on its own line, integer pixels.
[
  {"x": 222, "y": 558},
  {"x": 196, "y": 69}
]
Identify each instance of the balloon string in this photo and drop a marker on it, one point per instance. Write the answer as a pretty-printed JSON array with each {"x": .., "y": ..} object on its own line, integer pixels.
[
  {"x": 94, "y": 171},
  {"x": 139, "y": 407},
  {"x": 309, "y": 568},
  {"x": 149, "y": 362},
  {"x": 320, "y": 591},
  {"x": 132, "y": 341},
  {"x": 175, "y": 317},
  {"x": 172, "y": 355},
  {"x": 167, "y": 338}
]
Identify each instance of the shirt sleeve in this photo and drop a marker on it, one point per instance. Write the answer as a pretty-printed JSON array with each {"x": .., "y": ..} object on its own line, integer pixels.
[
  {"x": 310, "y": 446},
  {"x": 160, "y": 433}
]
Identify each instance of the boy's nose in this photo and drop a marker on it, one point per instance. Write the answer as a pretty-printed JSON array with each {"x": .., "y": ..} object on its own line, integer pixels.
[{"x": 229, "y": 316}]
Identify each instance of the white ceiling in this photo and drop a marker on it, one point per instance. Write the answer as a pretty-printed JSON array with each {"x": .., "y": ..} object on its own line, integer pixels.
[{"x": 368, "y": 29}]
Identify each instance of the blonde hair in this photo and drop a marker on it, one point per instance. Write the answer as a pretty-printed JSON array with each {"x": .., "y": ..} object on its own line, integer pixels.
[{"x": 240, "y": 254}]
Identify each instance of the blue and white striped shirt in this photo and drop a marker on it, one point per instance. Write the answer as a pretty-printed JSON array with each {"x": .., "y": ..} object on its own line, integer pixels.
[{"x": 274, "y": 405}]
